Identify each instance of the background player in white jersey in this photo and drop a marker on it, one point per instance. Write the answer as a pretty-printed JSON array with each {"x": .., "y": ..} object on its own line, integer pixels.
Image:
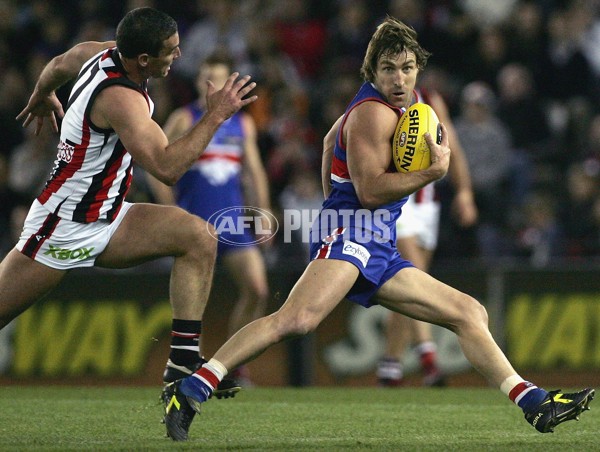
[
  {"x": 81, "y": 219},
  {"x": 417, "y": 238},
  {"x": 229, "y": 173}
]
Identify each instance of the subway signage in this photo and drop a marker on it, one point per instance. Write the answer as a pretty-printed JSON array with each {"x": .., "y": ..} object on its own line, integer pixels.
[
  {"x": 553, "y": 330},
  {"x": 104, "y": 338}
]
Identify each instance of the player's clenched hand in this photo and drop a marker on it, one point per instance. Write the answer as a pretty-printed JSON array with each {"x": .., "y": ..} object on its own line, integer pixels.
[
  {"x": 41, "y": 106},
  {"x": 229, "y": 99},
  {"x": 440, "y": 153}
]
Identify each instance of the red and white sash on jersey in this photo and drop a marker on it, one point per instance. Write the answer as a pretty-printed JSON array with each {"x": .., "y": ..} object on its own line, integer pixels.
[{"x": 93, "y": 170}]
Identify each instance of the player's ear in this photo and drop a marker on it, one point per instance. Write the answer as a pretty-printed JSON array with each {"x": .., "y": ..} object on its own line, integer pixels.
[{"x": 143, "y": 59}]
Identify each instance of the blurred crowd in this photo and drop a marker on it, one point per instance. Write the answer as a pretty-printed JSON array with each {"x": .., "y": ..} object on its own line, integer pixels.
[{"x": 521, "y": 79}]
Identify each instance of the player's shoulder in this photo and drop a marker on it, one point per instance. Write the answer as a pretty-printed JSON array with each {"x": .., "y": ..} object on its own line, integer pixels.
[
  {"x": 118, "y": 103},
  {"x": 119, "y": 93},
  {"x": 373, "y": 108},
  {"x": 372, "y": 115}
]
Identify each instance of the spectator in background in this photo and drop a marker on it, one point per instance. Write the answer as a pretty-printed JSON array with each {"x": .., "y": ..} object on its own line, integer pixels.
[
  {"x": 293, "y": 149},
  {"x": 277, "y": 75},
  {"x": 444, "y": 27},
  {"x": 522, "y": 112},
  {"x": 489, "y": 12},
  {"x": 301, "y": 35},
  {"x": 579, "y": 210},
  {"x": 591, "y": 148},
  {"x": 540, "y": 238},
  {"x": 348, "y": 34},
  {"x": 487, "y": 146},
  {"x": 489, "y": 55},
  {"x": 564, "y": 73},
  {"x": 9, "y": 201},
  {"x": 220, "y": 29},
  {"x": 332, "y": 102},
  {"x": 526, "y": 34},
  {"x": 31, "y": 163},
  {"x": 12, "y": 94}
]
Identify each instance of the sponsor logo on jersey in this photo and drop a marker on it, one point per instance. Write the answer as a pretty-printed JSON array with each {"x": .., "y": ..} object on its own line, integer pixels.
[
  {"x": 65, "y": 151},
  {"x": 358, "y": 251},
  {"x": 64, "y": 254}
]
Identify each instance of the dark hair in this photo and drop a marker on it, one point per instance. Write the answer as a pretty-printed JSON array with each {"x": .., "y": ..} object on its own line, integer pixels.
[
  {"x": 219, "y": 57},
  {"x": 143, "y": 30},
  {"x": 391, "y": 37}
]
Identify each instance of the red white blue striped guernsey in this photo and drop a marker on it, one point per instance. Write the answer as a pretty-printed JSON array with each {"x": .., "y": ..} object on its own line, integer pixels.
[{"x": 93, "y": 170}]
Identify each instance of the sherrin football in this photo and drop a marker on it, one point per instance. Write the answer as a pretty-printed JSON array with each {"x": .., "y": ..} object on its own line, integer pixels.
[{"x": 410, "y": 150}]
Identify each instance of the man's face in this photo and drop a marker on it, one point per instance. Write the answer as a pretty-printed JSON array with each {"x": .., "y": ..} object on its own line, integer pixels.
[
  {"x": 396, "y": 76},
  {"x": 216, "y": 73},
  {"x": 160, "y": 65}
]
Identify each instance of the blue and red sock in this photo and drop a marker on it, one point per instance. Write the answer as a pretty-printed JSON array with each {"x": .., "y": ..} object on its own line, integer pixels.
[
  {"x": 524, "y": 393},
  {"x": 201, "y": 384}
]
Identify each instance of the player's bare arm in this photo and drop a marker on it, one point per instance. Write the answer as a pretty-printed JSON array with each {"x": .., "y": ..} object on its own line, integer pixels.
[
  {"x": 126, "y": 111},
  {"x": 178, "y": 122},
  {"x": 463, "y": 203},
  {"x": 43, "y": 102},
  {"x": 256, "y": 185},
  {"x": 328, "y": 145},
  {"x": 368, "y": 133}
]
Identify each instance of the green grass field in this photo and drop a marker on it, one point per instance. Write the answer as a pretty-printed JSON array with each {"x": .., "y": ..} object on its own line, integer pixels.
[{"x": 407, "y": 419}]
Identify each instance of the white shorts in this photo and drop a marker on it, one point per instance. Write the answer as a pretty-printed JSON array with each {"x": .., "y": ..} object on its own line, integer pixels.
[
  {"x": 421, "y": 220},
  {"x": 65, "y": 244}
]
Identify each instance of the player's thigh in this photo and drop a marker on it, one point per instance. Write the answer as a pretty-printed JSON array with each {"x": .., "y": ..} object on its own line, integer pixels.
[
  {"x": 150, "y": 231},
  {"x": 419, "y": 295},
  {"x": 247, "y": 269},
  {"x": 324, "y": 283},
  {"x": 23, "y": 281}
]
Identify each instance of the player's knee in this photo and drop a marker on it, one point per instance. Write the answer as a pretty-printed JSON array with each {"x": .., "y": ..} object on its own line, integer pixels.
[
  {"x": 289, "y": 325},
  {"x": 474, "y": 312},
  {"x": 200, "y": 237},
  {"x": 258, "y": 293},
  {"x": 303, "y": 323}
]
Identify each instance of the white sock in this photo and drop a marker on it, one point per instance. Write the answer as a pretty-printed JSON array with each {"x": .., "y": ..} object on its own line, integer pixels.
[
  {"x": 217, "y": 368},
  {"x": 508, "y": 384}
]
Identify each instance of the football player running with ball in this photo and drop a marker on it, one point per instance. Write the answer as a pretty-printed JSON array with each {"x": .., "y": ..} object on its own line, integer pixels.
[
  {"x": 353, "y": 249},
  {"x": 81, "y": 218}
]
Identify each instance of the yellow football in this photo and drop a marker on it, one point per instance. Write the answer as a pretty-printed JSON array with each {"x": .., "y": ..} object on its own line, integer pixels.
[{"x": 410, "y": 150}]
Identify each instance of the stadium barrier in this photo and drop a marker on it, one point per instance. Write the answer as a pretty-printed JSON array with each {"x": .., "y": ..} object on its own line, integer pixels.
[{"x": 113, "y": 327}]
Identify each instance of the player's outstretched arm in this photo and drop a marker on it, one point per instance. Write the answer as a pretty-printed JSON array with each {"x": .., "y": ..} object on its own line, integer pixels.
[
  {"x": 126, "y": 111},
  {"x": 43, "y": 102}
]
